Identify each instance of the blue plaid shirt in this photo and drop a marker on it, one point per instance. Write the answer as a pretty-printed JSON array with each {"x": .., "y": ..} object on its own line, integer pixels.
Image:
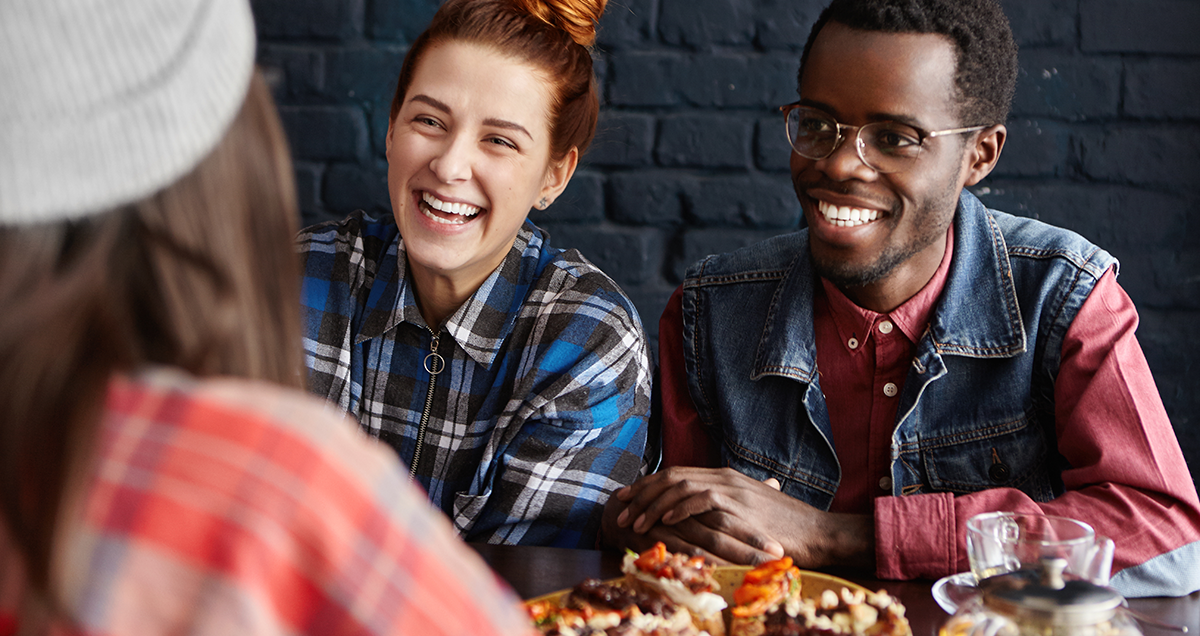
[{"x": 539, "y": 409}]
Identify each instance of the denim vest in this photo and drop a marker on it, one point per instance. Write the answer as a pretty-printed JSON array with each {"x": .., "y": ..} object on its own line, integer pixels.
[{"x": 977, "y": 407}]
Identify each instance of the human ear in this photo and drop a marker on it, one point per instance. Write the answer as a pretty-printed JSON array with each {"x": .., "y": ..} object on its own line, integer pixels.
[
  {"x": 558, "y": 175},
  {"x": 388, "y": 139},
  {"x": 981, "y": 158}
]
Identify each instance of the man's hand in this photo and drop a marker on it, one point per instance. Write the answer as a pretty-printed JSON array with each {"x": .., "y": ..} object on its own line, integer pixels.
[
  {"x": 697, "y": 536},
  {"x": 726, "y": 514}
]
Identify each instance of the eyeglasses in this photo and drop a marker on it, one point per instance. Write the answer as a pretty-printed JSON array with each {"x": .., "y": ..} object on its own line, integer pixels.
[{"x": 884, "y": 146}]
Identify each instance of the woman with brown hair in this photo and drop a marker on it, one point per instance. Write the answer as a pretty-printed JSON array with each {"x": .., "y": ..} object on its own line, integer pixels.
[
  {"x": 160, "y": 470},
  {"x": 510, "y": 376}
]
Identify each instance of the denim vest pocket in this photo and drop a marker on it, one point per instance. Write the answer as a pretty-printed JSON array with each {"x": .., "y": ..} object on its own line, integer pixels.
[
  {"x": 800, "y": 481},
  {"x": 793, "y": 450},
  {"x": 1009, "y": 454}
]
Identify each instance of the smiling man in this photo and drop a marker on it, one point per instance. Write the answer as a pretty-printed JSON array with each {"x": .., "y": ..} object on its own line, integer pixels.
[{"x": 852, "y": 393}]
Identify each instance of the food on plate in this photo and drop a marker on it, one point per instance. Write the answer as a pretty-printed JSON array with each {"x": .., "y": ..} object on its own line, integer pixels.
[
  {"x": 686, "y": 580},
  {"x": 662, "y": 594},
  {"x": 770, "y": 603},
  {"x": 595, "y": 608},
  {"x": 665, "y": 594},
  {"x": 763, "y": 589}
]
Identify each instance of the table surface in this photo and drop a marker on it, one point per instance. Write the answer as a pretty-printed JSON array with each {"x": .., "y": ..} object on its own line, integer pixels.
[{"x": 533, "y": 571}]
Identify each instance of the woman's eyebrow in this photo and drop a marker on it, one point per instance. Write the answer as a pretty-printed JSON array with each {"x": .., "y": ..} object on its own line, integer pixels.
[
  {"x": 491, "y": 121},
  {"x": 432, "y": 102},
  {"x": 507, "y": 125}
]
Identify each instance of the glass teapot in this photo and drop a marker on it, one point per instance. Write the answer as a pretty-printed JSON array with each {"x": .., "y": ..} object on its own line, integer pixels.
[{"x": 1042, "y": 601}]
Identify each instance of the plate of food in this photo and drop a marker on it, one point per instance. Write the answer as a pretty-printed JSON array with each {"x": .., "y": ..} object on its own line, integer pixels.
[{"x": 667, "y": 594}]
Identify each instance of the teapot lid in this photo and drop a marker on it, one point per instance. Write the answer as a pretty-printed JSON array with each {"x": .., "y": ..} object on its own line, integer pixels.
[{"x": 1042, "y": 594}]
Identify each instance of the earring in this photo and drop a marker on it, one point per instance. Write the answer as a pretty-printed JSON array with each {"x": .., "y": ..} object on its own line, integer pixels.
[{"x": 543, "y": 204}]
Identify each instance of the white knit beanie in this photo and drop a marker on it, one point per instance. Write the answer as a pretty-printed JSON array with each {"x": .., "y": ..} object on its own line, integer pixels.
[{"x": 104, "y": 102}]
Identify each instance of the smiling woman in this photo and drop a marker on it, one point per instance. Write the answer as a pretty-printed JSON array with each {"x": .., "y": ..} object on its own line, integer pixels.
[
  {"x": 468, "y": 155},
  {"x": 510, "y": 376}
]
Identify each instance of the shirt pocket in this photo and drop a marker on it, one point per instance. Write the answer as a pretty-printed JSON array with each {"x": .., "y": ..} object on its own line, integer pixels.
[
  {"x": 1010, "y": 454},
  {"x": 467, "y": 510}
]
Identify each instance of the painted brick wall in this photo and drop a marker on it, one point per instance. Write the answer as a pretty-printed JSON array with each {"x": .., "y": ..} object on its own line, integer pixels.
[{"x": 691, "y": 159}]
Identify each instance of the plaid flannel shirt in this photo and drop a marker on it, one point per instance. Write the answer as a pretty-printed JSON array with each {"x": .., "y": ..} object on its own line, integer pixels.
[
  {"x": 540, "y": 410},
  {"x": 220, "y": 507}
]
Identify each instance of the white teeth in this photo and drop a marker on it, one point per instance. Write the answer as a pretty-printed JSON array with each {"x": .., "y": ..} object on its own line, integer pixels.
[
  {"x": 460, "y": 209},
  {"x": 430, "y": 215},
  {"x": 846, "y": 216}
]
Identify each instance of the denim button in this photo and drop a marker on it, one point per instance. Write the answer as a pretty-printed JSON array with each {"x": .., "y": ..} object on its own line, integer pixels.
[{"x": 999, "y": 472}]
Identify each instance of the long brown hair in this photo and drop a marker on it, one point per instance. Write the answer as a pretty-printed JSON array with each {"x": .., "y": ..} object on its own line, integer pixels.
[
  {"x": 200, "y": 275},
  {"x": 553, "y": 35}
]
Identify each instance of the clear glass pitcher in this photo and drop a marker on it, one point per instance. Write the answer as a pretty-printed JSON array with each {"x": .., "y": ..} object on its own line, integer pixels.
[
  {"x": 999, "y": 542},
  {"x": 1042, "y": 601}
]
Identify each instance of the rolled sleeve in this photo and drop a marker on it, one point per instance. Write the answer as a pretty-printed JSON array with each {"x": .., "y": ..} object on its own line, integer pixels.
[{"x": 915, "y": 536}]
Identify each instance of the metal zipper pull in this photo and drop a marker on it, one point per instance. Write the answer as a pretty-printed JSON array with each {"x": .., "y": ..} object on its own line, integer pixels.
[{"x": 434, "y": 364}]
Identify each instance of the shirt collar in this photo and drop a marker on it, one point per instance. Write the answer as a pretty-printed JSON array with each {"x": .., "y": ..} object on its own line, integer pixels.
[
  {"x": 481, "y": 324},
  {"x": 911, "y": 317},
  {"x": 851, "y": 321},
  {"x": 484, "y": 321}
]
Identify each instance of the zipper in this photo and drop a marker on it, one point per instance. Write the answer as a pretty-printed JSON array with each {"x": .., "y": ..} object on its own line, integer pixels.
[{"x": 434, "y": 364}]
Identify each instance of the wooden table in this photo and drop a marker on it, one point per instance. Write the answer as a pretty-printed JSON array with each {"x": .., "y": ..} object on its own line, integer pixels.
[{"x": 536, "y": 571}]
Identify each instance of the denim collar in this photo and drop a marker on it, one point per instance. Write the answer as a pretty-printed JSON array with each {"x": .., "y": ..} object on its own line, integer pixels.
[{"x": 976, "y": 316}]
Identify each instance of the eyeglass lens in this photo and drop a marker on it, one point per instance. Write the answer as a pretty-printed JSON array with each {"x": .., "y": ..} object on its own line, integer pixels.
[{"x": 884, "y": 146}]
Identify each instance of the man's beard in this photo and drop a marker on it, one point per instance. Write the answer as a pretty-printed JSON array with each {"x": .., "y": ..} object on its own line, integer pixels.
[
  {"x": 846, "y": 276},
  {"x": 849, "y": 276}
]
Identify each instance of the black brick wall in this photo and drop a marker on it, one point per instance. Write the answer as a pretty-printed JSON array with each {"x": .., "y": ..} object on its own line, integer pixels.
[{"x": 690, "y": 158}]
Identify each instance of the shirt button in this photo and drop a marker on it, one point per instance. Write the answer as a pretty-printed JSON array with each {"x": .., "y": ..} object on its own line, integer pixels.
[
  {"x": 885, "y": 483},
  {"x": 852, "y": 343},
  {"x": 889, "y": 389},
  {"x": 885, "y": 327}
]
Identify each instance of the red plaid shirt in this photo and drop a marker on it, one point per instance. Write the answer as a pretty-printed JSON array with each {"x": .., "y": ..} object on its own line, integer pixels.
[{"x": 230, "y": 507}]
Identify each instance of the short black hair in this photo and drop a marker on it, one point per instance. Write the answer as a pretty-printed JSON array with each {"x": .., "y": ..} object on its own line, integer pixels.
[{"x": 986, "y": 73}]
